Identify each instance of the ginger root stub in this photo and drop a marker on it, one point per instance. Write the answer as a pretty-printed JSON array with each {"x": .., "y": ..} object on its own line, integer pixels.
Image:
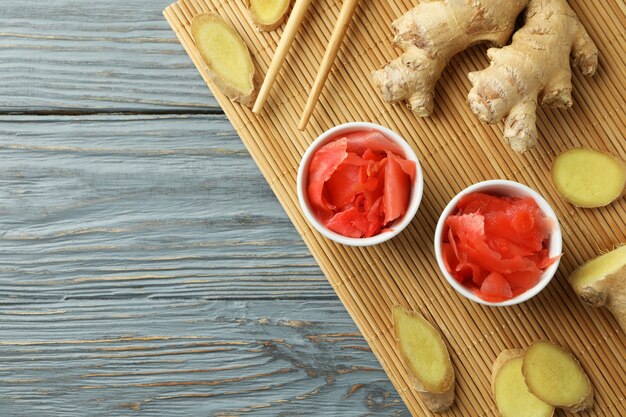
[{"x": 602, "y": 282}]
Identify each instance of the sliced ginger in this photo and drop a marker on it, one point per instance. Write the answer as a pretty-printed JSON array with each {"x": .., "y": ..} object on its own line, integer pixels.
[
  {"x": 226, "y": 56},
  {"x": 588, "y": 178},
  {"x": 426, "y": 357},
  {"x": 554, "y": 376},
  {"x": 509, "y": 388},
  {"x": 602, "y": 282},
  {"x": 268, "y": 14}
]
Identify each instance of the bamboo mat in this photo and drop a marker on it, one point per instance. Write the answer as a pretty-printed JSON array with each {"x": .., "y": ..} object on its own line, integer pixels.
[{"x": 455, "y": 150}]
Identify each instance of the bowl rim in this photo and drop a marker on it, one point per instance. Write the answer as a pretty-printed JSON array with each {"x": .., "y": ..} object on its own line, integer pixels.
[
  {"x": 416, "y": 191},
  {"x": 516, "y": 189}
]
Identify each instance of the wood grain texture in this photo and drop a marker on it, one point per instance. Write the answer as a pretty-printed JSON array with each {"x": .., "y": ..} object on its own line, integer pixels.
[
  {"x": 142, "y": 206},
  {"x": 146, "y": 268},
  {"x": 188, "y": 358},
  {"x": 75, "y": 56},
  {"x": 119, "y": 233}
]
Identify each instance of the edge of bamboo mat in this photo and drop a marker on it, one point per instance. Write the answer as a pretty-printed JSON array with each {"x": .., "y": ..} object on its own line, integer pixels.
[{"x": 455, "y": 151}]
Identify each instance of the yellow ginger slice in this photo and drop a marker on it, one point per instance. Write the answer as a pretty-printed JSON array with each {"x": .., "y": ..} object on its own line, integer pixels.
[
  {"x": 509, "y": 388},
  {"x": 268, "y": 14},
  {"x": 226, "y": 56},
  {"x": 602, "y": 282},
  {"x": 554, "y": 376},
  {"x": 588, "y": 178},
  {"x": 426, "y": 357}
]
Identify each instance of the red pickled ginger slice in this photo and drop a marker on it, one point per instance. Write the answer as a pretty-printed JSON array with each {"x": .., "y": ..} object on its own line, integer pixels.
[
  {"x": 496, "y": 286},
  {"x": 324, "y": 163},
  {"x": 522, "y": 223},
  {"x": 450, "y": 260},
  {"x": 375, "y": 217},
  {"x": 360, "y": 142},
  {"x": 470, "y": 229},
  {"x": 523, "y": 280},
  {"x": 351, "y": 223},
  {"x": 481, "y": 203},
  {"x": 339, "y": 188},
  {"x": 373, "y": 156},
  {"x": 407, "y": 166},
  {"x": 396, "y": 191}
]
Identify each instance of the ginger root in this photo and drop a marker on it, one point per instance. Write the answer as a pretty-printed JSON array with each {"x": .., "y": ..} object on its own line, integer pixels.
[
  {"x": 553, "y": 375},
  {"x": 588, "y": 178},
  {"x": 226, "y": 56},
  {"x": 432, "y": 33},
  {"x": 534, "y": 68},
  {"x": 268, "y": 14},
  {"x": 602, "y": 282},
  {"x": 426, "y": 357},
  {"x": 509, "y": 388}
]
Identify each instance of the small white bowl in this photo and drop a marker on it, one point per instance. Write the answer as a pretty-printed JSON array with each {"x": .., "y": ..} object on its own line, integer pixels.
[
  {"x": 509, "y": 189},
  {"x": 397, "y": 226}
]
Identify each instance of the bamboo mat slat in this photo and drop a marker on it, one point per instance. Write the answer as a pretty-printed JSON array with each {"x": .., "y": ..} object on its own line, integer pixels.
[{"x": 456, "y": 150}]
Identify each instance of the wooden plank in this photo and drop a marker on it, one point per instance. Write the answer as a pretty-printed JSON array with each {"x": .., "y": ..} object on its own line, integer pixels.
[
  {"x": 142, "y": 206},
  {"x": 65, "y": 55},
  {"x": 184, "y": 358}
]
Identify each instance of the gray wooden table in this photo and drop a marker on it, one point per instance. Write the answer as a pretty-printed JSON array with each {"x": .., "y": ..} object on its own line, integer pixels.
[{"x": 145, "y": 266}]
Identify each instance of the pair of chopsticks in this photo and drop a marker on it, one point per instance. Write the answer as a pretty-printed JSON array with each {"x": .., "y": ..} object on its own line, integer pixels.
[{"x": 295, "y": 19}]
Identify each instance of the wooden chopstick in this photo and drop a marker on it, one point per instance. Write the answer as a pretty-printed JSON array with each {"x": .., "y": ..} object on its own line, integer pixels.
[
  {"x": 293, "y": 24},
  {"x": 345, "y": 16}
]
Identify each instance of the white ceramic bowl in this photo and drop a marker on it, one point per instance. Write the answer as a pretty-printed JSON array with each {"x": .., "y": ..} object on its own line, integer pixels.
[
  {"x": 399, "y": 224},
  {"x": 510, "y": 189}
]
